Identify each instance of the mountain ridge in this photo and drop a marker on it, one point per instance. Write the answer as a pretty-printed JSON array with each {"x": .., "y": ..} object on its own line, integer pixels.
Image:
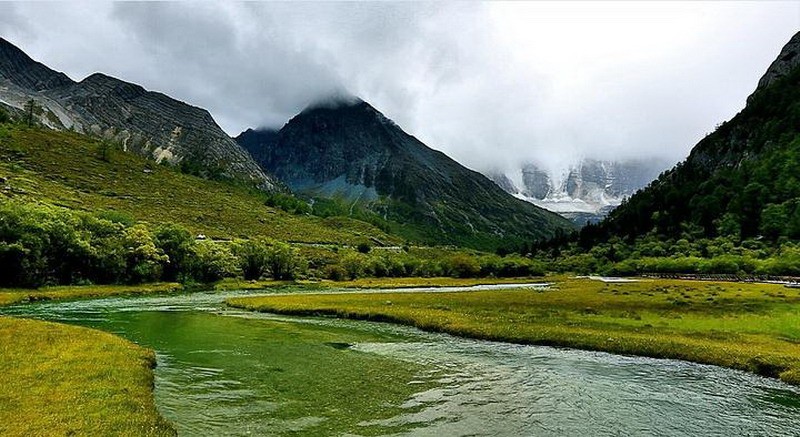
[
  {"x": 145, "y": 122},
  {"x": 352, "y": 151}
]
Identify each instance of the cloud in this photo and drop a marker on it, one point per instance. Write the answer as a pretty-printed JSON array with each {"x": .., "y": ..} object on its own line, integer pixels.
[{"x": 491, "y": 84}]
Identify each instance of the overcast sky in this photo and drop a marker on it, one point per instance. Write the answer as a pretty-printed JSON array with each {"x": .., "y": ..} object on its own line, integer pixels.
[{"x": 491, "y": 84}]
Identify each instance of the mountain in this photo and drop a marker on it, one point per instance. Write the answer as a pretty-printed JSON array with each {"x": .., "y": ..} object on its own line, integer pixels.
[
  {"x": 742, "y": 181},
  {"x": 585, "y": 192},
  {"x": 348, "y": 150},
  {"x": 148, "y": 123}
]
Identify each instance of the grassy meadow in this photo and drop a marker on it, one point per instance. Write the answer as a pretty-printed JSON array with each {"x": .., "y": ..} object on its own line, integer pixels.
[
  {"x": 752, "y": 327},
  {"x": 97, "y": 383}
]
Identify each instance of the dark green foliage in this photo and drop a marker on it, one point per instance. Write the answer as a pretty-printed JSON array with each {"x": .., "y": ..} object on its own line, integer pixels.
[
  {"x": 283, "y": 262},
  {"x": 288, "y": 203},
  {"x": 364, "y": 248},
  {"x": 31, "y": 108},
  {"x": 742, "y": 180},
  {"x": 105, "y": 149},
  {"x": 4, "y": 117},
  {"x": 177, "y": 244},
  {"x": 253, "y": 257}
]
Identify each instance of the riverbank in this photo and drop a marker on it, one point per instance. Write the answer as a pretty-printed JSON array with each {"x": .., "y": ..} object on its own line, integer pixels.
[
  {"x": 67, "y": 380},
  {"x": 751, "y": 327},
  {"x": 10, "y": 296},
  {"x": 371, "y": 283}
]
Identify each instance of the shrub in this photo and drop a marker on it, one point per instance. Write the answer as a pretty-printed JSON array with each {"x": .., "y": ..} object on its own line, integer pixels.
[
  {"x": 284, "y": 262},
  {"x": 462, "y": 266},
  {"x": 254, "y": 257},
  {"x": 335, "y": 272},
  {"x": 353, "y": 264},
  {"x": 213, "y": 262},
  {"x": 143, "y": 259},
  {"x": 177, "y": 244}
]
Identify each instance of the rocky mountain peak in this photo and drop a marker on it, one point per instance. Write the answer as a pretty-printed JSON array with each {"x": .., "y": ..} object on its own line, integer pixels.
[
  {"x": 336, "y": 101},
  {"x": 21, "y": 70},
  {"x": 349, "y": 150},
  {"x": 787, "y": 60},
  {"x": 103, "y": 83}
]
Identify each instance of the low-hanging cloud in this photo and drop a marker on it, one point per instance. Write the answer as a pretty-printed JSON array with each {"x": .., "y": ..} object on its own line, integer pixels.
[{"x": 491, "y": 84}]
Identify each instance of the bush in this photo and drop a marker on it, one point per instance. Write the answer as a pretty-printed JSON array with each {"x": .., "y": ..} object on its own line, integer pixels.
[
  {"x": 4, "y": 117},
  {"x": 143, "y": 259},
  {"x": 284, "y": 262},
  {"x": 364, "y": 247},
  {"x": 213, "y": 262},
  {"x": 462, "y": 266},
  {"x": 335, "y": 272},
  {"x": 177, "y": 244},
  {"x": 353, "y": 264},
  {"x": 254, "y": 257}
]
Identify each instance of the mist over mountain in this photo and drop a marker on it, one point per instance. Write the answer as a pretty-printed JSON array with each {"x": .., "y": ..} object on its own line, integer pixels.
[
  {"x": 585, "y": 191},
  {"x": 491, "y": 84},
  {"x": 348, "y": 150}
]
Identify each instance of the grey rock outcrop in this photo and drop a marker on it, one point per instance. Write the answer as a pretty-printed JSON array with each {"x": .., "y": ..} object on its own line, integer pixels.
[{"x": 787, "y": 60}]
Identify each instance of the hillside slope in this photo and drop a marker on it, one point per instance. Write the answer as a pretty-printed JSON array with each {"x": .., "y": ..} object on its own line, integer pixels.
[
  {"x": 148, "y": 123},
  {"x": 73, "y": 171},
  {"x": 741, "y": 181},
  {"x": 349, "y": 150}
]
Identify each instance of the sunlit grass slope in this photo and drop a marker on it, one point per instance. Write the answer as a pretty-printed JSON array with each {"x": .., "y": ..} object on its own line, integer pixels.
[
  {"x": 753, "y": 327},
  {"x": 66, "y": 380},
  {"x": 70, "y": 170}
]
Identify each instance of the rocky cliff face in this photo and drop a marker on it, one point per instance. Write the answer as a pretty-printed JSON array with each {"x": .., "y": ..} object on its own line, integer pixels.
[
  {"x": 144, "y": 122},
  {"x": 787, "y": 60},
  {"x": 586, "y": 191},
  {"x": 349, "y": 150}
]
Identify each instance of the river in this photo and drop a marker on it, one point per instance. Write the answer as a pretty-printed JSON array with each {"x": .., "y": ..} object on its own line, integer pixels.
[{"x": 223, "y": 371}]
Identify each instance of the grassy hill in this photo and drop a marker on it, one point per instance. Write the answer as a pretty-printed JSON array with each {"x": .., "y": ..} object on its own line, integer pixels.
[{"x": 82, "y": 173}]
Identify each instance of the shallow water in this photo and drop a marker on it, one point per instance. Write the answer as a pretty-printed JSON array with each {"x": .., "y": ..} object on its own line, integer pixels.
[{"x": 227, "y": 372}]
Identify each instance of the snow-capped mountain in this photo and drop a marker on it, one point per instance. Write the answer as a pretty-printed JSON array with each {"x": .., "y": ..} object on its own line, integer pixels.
[{"x": 584, "y": 192}]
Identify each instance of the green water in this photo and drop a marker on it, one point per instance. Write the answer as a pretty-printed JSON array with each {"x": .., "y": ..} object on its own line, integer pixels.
[{"x": 227, "y": 372}]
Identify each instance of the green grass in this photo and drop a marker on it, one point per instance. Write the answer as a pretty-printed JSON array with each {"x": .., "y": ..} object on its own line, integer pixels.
[
  {"x": 423, "y": 282},
  {"x": 9, "y": 296},
  {"x": 752, "y": 327},
  {"x": 66, "y": 169},
  {"x": 67, "y": 380}
]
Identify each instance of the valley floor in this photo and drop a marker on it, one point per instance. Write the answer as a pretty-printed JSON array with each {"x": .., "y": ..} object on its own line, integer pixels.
[
  {"x": 752, "y": 327},
  {"x": 67, "y": 379}
]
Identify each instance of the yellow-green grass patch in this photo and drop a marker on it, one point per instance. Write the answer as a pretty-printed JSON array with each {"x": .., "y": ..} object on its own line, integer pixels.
[
  {"x": 751, "y": 327},
  {"x": 10, "y": 296},
  {"x": 67, "y": 380}
]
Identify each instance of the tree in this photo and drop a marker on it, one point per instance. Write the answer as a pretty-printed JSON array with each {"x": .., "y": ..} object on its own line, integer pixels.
[
  {"x": 144, "y": 259},
  {"x": 254, "y": 257},
  {"x": 283, "y": 262},
  {"x": 177, "y": 244},
  {"x": 104, "y": 150},
  {"x": 31, "y": 108}
]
